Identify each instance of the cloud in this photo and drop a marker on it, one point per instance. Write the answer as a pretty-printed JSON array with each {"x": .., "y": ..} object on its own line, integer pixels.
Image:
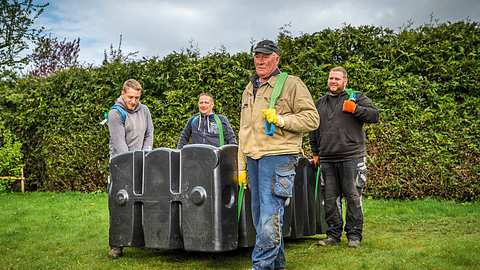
[{"x": 157, "y": 28}]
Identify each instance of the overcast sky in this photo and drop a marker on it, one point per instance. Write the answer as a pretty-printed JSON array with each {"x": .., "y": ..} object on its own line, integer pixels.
[{"x": 157, "y": 28}]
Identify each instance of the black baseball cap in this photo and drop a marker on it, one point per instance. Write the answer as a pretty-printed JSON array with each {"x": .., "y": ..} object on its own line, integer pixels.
[{"x": 266, "y": 46}]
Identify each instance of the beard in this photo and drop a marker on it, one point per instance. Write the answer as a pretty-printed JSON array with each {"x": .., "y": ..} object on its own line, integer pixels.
[
  {"x": 337, "y": 91},
  {"x": 131, "y": 107}
]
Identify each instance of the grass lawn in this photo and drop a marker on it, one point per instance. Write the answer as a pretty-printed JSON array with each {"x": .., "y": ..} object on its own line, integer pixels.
[{"x": 70, "y": 231}]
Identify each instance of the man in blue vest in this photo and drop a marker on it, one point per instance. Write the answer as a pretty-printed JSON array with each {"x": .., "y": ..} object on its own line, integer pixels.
[
  {"x": 203, "y": 127},
  {"x": 130, "y": 122}
]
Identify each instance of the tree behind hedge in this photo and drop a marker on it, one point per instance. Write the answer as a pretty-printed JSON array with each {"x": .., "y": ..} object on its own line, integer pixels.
[{"x": 423, "y": 80}]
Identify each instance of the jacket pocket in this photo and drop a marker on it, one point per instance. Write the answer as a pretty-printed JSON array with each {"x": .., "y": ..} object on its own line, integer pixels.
[
  {"x": 246, "y": 110},
  {"x": 246, "y": 115},
  {"x": 283, "y": 185}
]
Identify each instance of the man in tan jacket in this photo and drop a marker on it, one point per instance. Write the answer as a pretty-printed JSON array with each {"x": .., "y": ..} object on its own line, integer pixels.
[{"x": 270, "y": 158}]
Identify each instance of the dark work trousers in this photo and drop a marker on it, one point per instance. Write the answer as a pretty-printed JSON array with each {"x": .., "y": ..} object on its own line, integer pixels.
[{"x": 344, "y": 179}]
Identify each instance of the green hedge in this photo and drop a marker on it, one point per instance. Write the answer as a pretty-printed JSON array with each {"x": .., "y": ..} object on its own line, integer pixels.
[
  {"x": 423, "y": 80},
  {"x": 11, "y": 153}
]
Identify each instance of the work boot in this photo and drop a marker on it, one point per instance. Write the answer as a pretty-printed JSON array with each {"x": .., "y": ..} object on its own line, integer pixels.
[
  {"x": 115, "y": 252},
  {"x": 353, "y": 243},
  {"x": 328, "y": 242}
]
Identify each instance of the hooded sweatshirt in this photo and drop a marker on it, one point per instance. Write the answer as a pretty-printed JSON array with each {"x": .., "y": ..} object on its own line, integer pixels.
[
  {"x": 340, "y": 135},
  {"x": 203, "y": 129},
  {"x": 135, "y": 134}
]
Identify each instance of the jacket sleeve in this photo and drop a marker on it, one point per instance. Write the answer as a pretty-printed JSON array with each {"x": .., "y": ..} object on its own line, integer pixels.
[
  {"x": 313, "y": 135},
  {"x": 148, "y": 139},
  {"x": 185, "y": 135},
  {"x": 228, "y": 131},
  {"x": 241, "y": 158},
  {"x": 117, "y": 133},
  {"x": 365, "y": 111},
  {"x": 304, "y": 117}
]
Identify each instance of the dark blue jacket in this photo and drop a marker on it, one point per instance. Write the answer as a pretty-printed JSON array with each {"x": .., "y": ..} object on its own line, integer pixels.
[{"x": 202, "y": 129}]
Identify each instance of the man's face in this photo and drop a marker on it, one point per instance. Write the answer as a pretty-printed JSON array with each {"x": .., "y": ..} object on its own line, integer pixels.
[
  {"x": 265, "y": 64},
  {"x": 205, "y": 105},
  {"x": 131, "y": 97},
  {"x": 336, "y": 81}
]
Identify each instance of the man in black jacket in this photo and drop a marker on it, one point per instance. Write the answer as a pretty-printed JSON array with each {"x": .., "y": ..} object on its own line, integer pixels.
[
  {"x": 338, "y": 147},
  {"x": 203, "y": 127}
]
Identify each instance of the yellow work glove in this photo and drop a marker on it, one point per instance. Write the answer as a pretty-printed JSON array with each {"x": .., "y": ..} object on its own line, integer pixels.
[
  {"x": 242, "y": 179},
  {"x": 272, "y": 117}
]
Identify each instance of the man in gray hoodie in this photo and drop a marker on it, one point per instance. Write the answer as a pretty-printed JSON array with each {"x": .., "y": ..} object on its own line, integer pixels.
[
  {"x": 130, "y": 122},
  {"x": 130, "y": 126}
]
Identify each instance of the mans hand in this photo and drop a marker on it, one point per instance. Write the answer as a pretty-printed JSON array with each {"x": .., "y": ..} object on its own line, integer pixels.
[
  {"x": 315, "y": 160},
  {"x": 242, "y": 179},
  {"x": 349, "y": 106},
  {"x": 272, "y": 117}
]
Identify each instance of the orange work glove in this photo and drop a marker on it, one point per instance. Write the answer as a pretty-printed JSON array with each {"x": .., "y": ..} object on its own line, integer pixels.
[
  {"x": 314, "y": 160},
  {"x": 349, "y": 106}
]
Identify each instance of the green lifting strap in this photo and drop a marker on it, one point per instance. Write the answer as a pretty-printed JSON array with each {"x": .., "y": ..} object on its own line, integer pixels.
[
  {"x": 217, "y": 120},
  {"x": 276, "y": 92},
  {"x": 316, "y": 181},
  {"x": 352, "y": 94},
  {"x": 220, "y": 129},
  {"x": 241, "y": 194},
  {"x": 277, "y": 89}
]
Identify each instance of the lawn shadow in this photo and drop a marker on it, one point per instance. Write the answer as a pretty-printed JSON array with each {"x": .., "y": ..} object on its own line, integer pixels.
[
  {"x": 183, "y": 256},
  {"x": 210, "y": 260}
]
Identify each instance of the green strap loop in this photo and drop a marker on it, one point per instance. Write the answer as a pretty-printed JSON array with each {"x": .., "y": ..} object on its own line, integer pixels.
[
  {"x": 276, "y": 92},
  {"x": 220, "y": 129},
  {"x": 352, "y": 94},
  {"x": 277, "y": 89},
  {"x": 241, "y": 194},
  {"x": 316, "y": 181}
]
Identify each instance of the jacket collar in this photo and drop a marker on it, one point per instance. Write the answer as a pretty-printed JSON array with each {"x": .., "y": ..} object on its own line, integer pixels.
[
  {"x": 256, "y": 80},
  {"x": 121, "y": 102},
  {"x": 205, "y": 116},
  {"x": 341, "y": 93}
]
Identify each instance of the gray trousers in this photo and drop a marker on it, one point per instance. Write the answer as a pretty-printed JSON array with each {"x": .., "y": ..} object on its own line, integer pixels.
[{"x": 344, "y": 179}]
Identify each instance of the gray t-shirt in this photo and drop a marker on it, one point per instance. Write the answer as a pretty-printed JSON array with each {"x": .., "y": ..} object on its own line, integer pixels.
[{"x": 135, "y": 134}]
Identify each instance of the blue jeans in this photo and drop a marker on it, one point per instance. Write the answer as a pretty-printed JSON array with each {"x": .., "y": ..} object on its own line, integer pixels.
[{"x": 270, "y": 180}]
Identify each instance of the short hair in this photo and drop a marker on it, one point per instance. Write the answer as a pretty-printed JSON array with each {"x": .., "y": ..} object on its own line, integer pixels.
[
  {"x": 340, "y": 69},
  {"x": 206, "y": 94},
  {"x": 133, "y": 84}
]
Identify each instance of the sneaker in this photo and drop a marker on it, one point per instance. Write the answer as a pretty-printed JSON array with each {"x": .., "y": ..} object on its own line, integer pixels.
[
  {"x": 328, "y": 242},
  {"x": 353, "y": 243},
  {"x": 115, "y": 252}
]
